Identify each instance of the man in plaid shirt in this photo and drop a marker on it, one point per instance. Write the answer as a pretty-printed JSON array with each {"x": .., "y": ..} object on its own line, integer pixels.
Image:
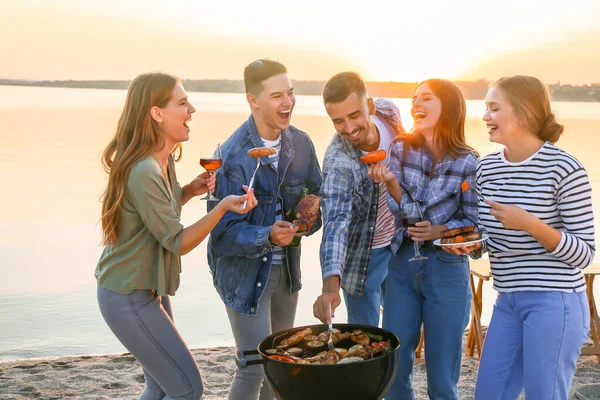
[{"x": 358, "y": 225}]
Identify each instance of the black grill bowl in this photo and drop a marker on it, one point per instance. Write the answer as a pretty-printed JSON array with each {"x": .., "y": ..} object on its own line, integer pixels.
[{"x": 367, "y": 380}]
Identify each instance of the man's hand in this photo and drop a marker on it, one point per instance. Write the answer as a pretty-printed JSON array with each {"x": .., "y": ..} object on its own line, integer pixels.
[
  {"x": 330, "y": 295},
  {"x": 281, "y": 233},
  {"x": 300, "y": 234},
  {"x": 297, "y": 234}
]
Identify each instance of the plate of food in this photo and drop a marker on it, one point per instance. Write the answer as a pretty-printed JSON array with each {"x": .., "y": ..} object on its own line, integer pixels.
[{"x": 463, "y": 236}]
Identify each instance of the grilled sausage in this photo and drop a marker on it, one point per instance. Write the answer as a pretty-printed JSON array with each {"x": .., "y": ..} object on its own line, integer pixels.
[
  {"x": 261, "y": 152},
  {"x": 373, "y": 157}
]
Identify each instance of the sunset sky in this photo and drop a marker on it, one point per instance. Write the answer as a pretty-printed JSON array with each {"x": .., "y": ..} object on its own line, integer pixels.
[{"x": 392, "y": 40}]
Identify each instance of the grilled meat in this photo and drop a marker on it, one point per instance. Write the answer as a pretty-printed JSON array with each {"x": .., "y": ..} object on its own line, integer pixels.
[
  {"x": 294, "y": 339},
  {"x": 467, "y": 237},
  {"x": 307, "y": 212},
  {"x": 457, "y": 231},
  {"x": 360, "y": 337}
]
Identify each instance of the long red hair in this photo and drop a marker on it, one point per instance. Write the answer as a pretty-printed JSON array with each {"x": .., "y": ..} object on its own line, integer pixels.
[{"x": 450, "y": 129}]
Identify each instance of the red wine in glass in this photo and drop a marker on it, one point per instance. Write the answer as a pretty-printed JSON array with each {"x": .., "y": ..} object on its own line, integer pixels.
[
  {"x": 211, "y": 164},
  {"x": 210, "y": 159},
  {"x": 410, "y": 222},
  {"x": 410, "y": 215}
]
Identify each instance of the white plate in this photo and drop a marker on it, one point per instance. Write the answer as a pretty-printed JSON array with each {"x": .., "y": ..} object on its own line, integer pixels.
[{"x": 437, "y": 242}]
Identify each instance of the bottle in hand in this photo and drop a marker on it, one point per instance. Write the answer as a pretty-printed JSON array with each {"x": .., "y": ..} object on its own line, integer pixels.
[{"x": 296, "y": 240}]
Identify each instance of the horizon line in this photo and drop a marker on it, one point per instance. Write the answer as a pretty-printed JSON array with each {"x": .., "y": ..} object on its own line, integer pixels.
[{"x": 298, "y": 80}]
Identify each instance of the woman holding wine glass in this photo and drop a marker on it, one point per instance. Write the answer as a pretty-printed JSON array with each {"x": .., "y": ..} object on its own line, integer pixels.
[
  {"x": 211, "y": 160},
  {"x": 425, "y": 285},
  {"x": 143, "y": 236},
  {"x": 410, "y": 216}
]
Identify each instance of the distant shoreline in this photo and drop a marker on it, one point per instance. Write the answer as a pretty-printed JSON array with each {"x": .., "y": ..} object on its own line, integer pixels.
[{"x": 473, "y": 90}]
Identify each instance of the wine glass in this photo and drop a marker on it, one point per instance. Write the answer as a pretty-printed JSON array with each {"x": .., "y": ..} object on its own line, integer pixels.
[
  {"x": 410, "y": 215},
  {"x": 210, "y": 159}
]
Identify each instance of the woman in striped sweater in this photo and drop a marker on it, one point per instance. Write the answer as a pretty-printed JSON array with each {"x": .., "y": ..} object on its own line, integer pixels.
[{"x": 538, "y": 214}]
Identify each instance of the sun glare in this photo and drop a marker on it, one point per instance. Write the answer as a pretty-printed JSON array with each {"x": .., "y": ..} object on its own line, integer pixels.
[
  {"x": 396, "y": 41},
  {"x": 411, "y": 65}
]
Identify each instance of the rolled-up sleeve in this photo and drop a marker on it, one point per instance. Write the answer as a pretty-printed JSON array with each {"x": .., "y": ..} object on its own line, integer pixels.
[
  {"x": 467, "y": 212},
  {"x": 153, "y": 201},
  {"x": 336, "y": 194}
]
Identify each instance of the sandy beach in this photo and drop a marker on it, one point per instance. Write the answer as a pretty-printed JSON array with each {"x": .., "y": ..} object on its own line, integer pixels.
[{"x": 120, "y": 377}]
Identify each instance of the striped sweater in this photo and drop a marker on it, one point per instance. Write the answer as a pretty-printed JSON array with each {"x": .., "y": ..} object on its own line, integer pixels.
[{"x": 554, "y": 186}]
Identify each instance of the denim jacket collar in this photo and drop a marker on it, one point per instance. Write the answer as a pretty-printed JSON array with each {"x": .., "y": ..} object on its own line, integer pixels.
[{"x": 287, "y": 150}]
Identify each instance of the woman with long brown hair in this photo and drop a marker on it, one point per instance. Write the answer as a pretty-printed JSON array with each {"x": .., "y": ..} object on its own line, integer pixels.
[
  {"x": 425, "y": 285},
  {"x": 144, "y": 238}
]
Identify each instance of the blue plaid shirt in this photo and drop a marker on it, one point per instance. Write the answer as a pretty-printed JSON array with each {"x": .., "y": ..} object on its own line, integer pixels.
[
  {"x": 349, "y": 205},
  {"x": 440, "y": 196}
]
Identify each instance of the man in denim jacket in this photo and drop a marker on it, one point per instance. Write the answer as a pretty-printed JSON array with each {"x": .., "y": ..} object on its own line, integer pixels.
[
  {"x": 358, "y": 225},
  {"x": 254, "y": 271}
]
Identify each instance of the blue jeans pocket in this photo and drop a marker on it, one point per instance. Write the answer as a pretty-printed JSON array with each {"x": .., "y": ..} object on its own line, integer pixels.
[
  {"x": 585, "y": 311},
  {"x": 450, "y": 258},
  {"x": 449, "y": 270}
]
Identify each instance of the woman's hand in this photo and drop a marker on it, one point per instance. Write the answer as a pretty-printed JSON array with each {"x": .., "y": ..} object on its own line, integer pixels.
[
  {"x": 460, "y": 250},
  {"x": 234, "y": 203},
  {"x": 201, "y": 184},
  {"x": 425, "y": 231},
  {"x": 380, "y": 173},
  {"x": 511, "y": 216}
]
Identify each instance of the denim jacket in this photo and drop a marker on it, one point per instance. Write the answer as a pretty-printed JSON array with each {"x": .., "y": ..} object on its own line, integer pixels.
[{"x": 239, "y": 252}]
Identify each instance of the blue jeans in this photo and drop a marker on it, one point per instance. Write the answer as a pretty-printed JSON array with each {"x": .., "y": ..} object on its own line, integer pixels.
[
  {"x": 533, "y": 343},
  {"x": 437, "y": 294},
  {"x": 366, "y": 310},
  {"x": 143, "y": 323}
]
